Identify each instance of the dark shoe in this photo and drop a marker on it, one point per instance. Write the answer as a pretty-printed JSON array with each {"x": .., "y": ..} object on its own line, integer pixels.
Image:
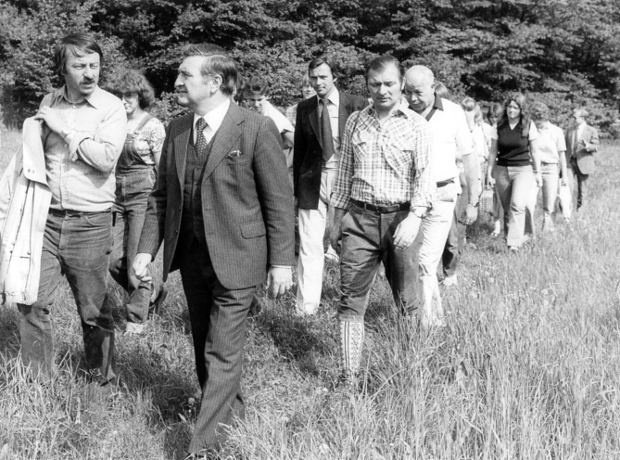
[{"x": 156, "y": 303}]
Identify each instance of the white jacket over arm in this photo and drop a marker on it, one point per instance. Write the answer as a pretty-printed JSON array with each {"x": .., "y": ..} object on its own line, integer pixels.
[{"x": 24, "y": 205}]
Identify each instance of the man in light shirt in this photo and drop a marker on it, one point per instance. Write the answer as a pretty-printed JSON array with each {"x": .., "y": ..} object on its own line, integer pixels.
[
  {"x": 223, "y": 207},
  {"x": 256, "y": 97},
  {"x": 451, "y": 142},
  {"x": 83, "y": 131}
]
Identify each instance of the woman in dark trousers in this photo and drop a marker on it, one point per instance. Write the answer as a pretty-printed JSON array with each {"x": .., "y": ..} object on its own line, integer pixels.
[{"x": 136, "y": 172}]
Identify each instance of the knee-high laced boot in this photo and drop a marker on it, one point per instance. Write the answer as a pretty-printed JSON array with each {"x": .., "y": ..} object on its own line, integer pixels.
[{"x": 351, "y": 342}]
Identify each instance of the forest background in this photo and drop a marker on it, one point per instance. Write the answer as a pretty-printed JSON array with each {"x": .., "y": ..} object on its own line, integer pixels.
[{"x": 564, "y": 52}]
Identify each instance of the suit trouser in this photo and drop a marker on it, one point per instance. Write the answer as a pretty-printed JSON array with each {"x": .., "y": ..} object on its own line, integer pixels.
[
  {"x": 514, "y": 185},
  {"x": 368, "y": 240},
  {"x": 76, "y": 244},
  {"x": 218, "y": 322},
  {"x": 312, "y": 225},
  {"x": 578, "y": 184}
]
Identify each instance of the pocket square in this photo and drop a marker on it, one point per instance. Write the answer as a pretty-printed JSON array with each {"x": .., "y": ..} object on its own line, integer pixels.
[{"x": 235, "y": 153}]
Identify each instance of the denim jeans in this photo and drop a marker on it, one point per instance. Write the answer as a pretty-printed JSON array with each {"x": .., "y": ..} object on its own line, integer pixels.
[
  {"x": 76, "y": 244},
  {"x": 515, "y": 186},
  {"x": 367, "y": 240},
  {"x": 133, "y": 188}
]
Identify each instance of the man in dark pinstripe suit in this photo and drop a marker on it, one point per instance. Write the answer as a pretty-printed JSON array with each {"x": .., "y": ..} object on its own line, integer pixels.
[{"x": 223, "y": 206}]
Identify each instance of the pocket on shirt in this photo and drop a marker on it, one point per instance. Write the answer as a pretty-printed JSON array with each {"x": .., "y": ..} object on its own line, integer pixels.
[{"x": 399, "y": 156}]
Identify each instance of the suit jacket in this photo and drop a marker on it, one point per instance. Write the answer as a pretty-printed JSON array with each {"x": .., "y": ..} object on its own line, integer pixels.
[
  {"x": 308, "y": 149},
  {"x": 579, "y": 156},
  {"x": 247, "y": 204}
]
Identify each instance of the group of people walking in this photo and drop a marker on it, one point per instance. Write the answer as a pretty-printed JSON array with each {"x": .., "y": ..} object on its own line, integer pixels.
[{"x": 389, "y": 180}]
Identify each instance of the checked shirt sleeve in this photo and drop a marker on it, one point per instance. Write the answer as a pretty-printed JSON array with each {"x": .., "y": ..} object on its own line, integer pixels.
[{"x": 341, "y": 195}]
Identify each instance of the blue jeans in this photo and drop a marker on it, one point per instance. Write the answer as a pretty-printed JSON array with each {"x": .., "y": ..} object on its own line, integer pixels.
[
  {"x": 514, "y": 185},
  {"x": 76, "y": 244},
  {"x": 133, "y": 188}
]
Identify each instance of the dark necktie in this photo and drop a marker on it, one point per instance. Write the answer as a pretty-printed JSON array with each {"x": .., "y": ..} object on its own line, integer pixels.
[
  {"x": 326, "y": 132},
  {"x": 201, "y": 140}
]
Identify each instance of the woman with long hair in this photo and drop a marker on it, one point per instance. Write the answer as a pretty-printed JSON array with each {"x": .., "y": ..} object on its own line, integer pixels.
[
  {"x": 136, "y": 172},
  {"x": 514, "y": 166}
]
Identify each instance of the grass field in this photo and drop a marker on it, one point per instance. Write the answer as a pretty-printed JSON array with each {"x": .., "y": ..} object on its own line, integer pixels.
[{"x": 528, "y": 368}]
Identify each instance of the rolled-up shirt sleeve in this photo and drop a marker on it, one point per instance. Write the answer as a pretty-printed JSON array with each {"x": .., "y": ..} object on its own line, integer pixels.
[{"x": 101, "y": 150}]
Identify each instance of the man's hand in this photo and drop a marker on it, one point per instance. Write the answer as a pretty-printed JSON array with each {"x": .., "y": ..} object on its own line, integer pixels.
[
  {"x": 335, "y": 230},
  {"x": 406, "y": 231},
  {"x": 140, "y": 266},
  {"x": 52, "y": 119},
  {"x": 471, "y": 214},
  {"x": 279, "y": 280},
  {"x": 490, "y": 181}
]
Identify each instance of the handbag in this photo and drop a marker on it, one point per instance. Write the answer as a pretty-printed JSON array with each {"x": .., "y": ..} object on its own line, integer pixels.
[
  {"x": 486, "y": 201},
  {"x": 566, "y": 201}
]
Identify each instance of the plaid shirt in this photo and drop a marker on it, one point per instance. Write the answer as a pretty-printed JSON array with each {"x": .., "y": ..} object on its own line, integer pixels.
[{"x": 385, "y": 162}]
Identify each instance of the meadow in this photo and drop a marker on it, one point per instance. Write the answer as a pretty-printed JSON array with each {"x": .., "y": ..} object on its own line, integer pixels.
[{"x": 528, "y": 367}]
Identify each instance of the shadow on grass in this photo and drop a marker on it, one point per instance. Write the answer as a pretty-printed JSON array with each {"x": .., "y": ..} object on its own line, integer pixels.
[
  {"x": 9, "y": 332},
  {"x": 300, "y": 339}
]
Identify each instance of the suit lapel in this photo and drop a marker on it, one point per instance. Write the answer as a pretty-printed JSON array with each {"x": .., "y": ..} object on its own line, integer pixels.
[
  {"x": 181, "y": 143},
  {"x": 313, "y": 116},
  {"x": 225, "y": 138}
]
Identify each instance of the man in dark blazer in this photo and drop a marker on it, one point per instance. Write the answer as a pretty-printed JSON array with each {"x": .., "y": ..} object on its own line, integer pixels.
[
  {"x": 318, "y": 131},
  {"x": 223, "y": 206},
  {"x": 581, "y": 144}
]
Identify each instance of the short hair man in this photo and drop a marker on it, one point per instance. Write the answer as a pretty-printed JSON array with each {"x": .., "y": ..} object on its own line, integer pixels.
[
  {"x": 224, "y": 208},
  {"x": 451, "y": 141},
  {"x": 318, "y": 134},
  {"x": 581, "y": 145},
  {"x": 382, "y": 191},
  {"x": 84, "y": 129},
  {"x": 256, "y": 97}
]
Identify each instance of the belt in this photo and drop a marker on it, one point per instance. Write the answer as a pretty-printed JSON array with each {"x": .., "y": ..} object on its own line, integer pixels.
[
  {"x": 443, "y": 183},
  {"x": 382, "y": 209},
  {"x": 72, "y": 213}
]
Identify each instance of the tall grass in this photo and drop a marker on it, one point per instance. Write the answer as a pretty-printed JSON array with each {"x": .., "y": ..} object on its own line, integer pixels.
[{"x": 529, "y": 367}]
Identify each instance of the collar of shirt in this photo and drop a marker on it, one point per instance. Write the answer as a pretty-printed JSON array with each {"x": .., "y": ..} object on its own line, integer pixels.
[
  {"x": 215, "y": 116},
  {"x": 333, "y": 98},
  {"x": 95, "y": 99},
  {"x": 401, "y": 110}
]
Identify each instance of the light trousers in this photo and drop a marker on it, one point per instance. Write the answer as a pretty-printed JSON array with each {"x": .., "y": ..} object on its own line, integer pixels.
[
  {"x": 312, "y": 224},
  {"x": 434, "y": 232},
  {"x": 515, "y": 186}
]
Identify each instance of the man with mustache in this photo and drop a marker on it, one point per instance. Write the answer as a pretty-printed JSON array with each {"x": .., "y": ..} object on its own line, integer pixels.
[
  {"x": 83, "y": 130},
  {"x": 223, "y": 205}
]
